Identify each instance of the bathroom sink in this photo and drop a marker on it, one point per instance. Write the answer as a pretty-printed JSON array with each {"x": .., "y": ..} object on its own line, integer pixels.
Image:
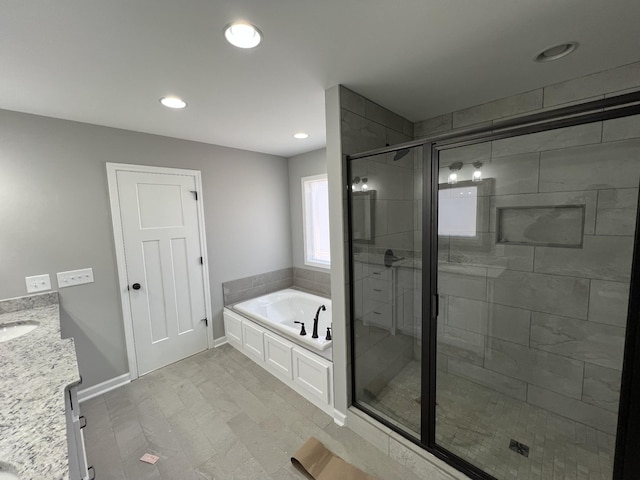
[{"x": 9, "y": 331}]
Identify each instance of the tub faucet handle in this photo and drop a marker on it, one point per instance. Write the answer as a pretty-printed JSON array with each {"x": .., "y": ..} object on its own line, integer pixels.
[
  {"x": 328, "y": 337},
  {"x": 302, "y": 330}
]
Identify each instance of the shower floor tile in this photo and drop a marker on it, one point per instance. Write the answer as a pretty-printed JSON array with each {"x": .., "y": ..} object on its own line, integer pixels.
[{"x": 478, "y": 424}]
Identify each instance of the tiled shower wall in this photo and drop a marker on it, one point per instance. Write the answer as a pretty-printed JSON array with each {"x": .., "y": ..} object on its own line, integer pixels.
[
  {"x": 545, "y": 324},
  {"x": 366, "y": 126},
  {"x": 254, "y": 286}
]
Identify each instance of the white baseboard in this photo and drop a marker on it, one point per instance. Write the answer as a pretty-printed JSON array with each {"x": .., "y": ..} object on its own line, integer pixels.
[
  {"x": 339, "y": 418},
  {"x": 104, "y": 387},
  {"x": 218, "y": 342}
]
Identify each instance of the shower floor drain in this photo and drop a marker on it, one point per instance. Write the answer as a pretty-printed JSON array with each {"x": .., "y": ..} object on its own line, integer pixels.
[{"x": 519, "y": 448}]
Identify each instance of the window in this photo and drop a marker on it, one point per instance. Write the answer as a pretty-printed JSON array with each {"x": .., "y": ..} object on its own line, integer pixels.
[{"x": 315, "y": 212}]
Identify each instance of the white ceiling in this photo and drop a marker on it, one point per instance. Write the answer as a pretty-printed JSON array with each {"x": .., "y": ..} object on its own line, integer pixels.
[{"x": 108, "y": 62}]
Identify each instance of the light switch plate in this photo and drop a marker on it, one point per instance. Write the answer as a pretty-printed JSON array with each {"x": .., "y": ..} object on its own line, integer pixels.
[
  {"x": 75, "y": 277},
  {"x": 38, "y": 283}
]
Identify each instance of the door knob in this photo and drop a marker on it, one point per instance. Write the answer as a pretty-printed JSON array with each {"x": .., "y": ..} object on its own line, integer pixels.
[{"x": 136, "y": 286}]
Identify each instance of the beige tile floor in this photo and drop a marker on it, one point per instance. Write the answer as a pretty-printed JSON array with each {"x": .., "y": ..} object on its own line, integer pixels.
[
  {"x": 216, "y": 415},
  {"x": 477, "y": 423}
]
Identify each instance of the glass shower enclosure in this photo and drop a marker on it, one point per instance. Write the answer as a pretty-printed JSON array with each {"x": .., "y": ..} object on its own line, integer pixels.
[{"x": 491, "y": 273}]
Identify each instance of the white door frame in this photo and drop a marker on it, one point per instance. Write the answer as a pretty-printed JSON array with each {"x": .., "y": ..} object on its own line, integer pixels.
[{"x": 112, "y": 169}]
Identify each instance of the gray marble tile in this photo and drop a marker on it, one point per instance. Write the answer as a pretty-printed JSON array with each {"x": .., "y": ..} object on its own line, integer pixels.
[
  {"x": 483, "y": 251},
  {"x": 601, "y": 166},
  {"x": 194, "y": 443},
  {"x": 577, "y": 410},
  {"x": 547, "y": 370},
  {"x": 433, "y": 125},
  {"x": 391, "y": 182},
  {"x": 384, "y": 116},
  {"x": 260, "y": 444},
  {"x": 609, "y": 302},
  {"x": 578, "y": 339},
  {"x": 602, "y": 258},
  {"x": 419, "y": 465},
  {"x": 442, "y": 362},
  {"x": 303, "y": 274},
  {"x": 279, "y": 285},
  {"x": 601, "y": 387},
  {"x": 468, "y": 154},
  {"x": 548, "y": 140},
  {"x": 240, "y": 296},
  {"x": 621, "y": 128},
  {"x": 352, "y": 101},
  {"x": 617, "y": 211},
  {"x": 509, "y": 323},
  {"x": 544, "y": 293},
  {"x": 282, "y": 274},
  {"x": 461, "y": 344},
  {"x": 541, "y": 226},
  {"x": 394, "y": 137},
  {"x": 587, "y": 198},
  {"x": 467, "y": 314},
  {"x": 501, "y": 383},
  {"x": 400, "y": 216},
  {"x": 360, "y": 134},
  {"x": 516, "y": 104},
  {"x": 621, "y": 78},
  {"x": 513, "y": 174},
  {"x": 462, "y": 281}
]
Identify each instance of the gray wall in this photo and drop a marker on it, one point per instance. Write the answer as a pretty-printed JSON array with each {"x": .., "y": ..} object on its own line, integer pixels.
[
  {"x": 55, "y": 216},
  {"x": 304, "y": 165}
]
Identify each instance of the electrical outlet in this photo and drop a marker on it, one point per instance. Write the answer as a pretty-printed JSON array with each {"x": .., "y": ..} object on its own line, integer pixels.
[
  {"x": 38, "y": 283},
  {"x": 75, "y": 277}
]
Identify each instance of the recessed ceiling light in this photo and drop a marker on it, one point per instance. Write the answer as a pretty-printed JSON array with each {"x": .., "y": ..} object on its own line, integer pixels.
[
  {"x": 300, "y": 135},
  {"x": 556, "y": 52},
  {"x": 173, "y": 102},
  {"x": 243, "y": 35}
]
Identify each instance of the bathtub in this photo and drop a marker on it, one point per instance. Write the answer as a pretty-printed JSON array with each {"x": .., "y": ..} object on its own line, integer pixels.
[{"x": 280, "y": 309}]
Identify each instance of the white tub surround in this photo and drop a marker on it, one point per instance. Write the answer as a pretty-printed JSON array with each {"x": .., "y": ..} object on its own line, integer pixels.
[
  {"x": 35, "y": 370},
  {"x": 279, "y": 311},
  {"x": 295, "y": 364}
]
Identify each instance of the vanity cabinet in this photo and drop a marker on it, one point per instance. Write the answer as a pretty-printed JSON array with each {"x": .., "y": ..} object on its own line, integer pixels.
[
  {"x": 378, "y": 291},
  {"x": 304, "y": 371},
  {"x": 78, "y": 468}
]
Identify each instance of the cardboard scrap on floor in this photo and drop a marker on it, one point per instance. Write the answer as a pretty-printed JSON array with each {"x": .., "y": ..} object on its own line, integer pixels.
[
  {"x": 319, "y": 463},
  {"x": 149, "y": 458}
]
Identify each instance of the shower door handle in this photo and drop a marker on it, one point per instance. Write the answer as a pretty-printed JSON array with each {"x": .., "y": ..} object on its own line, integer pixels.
[{"x": 435, "y": 306}]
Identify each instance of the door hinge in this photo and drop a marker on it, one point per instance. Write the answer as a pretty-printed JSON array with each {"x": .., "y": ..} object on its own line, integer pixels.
[
  {"x": 195, "y": 193},
  {"x": 201, "y": 261},
  {"x": 206, "y": 322}
]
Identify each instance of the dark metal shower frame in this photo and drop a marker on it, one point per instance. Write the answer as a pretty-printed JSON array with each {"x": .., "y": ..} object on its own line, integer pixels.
[{"x": 626, "y": 460}]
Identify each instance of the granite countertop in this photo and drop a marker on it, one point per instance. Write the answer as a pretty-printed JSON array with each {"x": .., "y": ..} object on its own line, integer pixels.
[{"x": 34, "y": 371}]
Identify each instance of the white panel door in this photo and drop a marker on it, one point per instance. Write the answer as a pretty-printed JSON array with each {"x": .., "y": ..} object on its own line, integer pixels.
[{"x": 162, "y": 248}]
